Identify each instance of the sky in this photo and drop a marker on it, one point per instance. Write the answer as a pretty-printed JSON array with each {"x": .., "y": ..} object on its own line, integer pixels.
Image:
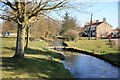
[
  {"x": 100, "y": 10},
  {"x": 107, "y": 9}
]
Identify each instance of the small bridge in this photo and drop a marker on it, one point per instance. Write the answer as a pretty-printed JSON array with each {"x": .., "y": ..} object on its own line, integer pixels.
[{"x": 58, "y": 47}]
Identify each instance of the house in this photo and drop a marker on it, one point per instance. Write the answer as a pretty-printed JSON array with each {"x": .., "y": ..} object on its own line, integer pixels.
[
  {"x": 9, "y": 34},
  {"x": 6, "y": 33},
  {"x": 114, "y": 33},
  {"x": 98, "y": 29},
  {"x": 81, "y": 31}
]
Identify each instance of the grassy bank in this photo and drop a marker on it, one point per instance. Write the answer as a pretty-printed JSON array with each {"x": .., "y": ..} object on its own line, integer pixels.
[
  {"x": 39, "y": 62},
  {"x": 98, "y": 47}
]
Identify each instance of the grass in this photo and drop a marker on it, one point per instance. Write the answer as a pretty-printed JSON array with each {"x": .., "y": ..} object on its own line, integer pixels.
[
  {"x": 39, "y": 62},
  {"x": 99, "y": 47}
]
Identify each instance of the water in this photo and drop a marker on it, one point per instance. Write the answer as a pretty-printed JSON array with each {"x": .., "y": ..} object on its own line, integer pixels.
[
  {"x": 85, "y": 66},
  {"x": 56, "y": 42}
]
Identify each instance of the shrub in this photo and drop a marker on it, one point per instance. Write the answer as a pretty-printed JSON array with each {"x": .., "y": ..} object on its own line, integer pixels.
[{"x": 71, "y": 35}]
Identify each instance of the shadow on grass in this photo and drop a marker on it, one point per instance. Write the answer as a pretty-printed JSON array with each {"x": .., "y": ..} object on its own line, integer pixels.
[
  {"x": 46, "y": 52},
  {"x": 13, "y": 48},
  {"x": 40, "y": 52},
  {"x": 113, "y": 58},
  {"x": 35, "y": 66}
]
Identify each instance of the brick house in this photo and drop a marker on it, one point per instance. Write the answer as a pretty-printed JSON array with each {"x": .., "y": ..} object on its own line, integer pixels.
[{"x": 97, "y": 29}]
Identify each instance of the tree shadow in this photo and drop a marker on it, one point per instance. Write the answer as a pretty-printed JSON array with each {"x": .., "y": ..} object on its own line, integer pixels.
[
  {"x": 35, "y": 66},
  {"x": 46, "y": 52},
  {"x": 13, "y": 48},
  {"x": 40, "y": 52}
]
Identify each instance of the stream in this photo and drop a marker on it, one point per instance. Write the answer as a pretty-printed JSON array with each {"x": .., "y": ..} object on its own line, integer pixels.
[{"x": 85, "y": 66}]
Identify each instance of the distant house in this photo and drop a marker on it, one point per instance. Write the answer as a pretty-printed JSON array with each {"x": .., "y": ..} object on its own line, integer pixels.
[
  {"x": 98, "y": 29},
  {"x": 9, "y": 34},
  {"x": 81, "y": 31},
  {"x": 6, "y": 33},
  {"x": 81, "y": 28},
  {"x": 115, "y": 33}
]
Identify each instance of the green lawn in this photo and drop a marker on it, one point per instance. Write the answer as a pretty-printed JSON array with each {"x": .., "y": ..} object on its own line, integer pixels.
[
  {"x": 99, "y": 47},
  {"x": 39, "y": 62}
]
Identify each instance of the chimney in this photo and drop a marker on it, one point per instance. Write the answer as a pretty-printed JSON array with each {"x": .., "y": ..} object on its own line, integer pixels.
[{"x": 104, "y": 19}]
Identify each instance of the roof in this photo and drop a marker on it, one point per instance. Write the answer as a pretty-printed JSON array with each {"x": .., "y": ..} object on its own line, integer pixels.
[
  {"x": 96, "y": 23},
  {"x": 81, "y": 28},
  {"x": 114, "y": 30}
]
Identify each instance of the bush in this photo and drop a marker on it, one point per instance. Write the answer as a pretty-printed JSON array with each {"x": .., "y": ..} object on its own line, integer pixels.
[{"x": 71, "y": 35}]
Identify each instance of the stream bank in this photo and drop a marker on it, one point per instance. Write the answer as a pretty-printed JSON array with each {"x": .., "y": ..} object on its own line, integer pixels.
[
  {"x": 86, "y": 66},
  {"x": 73, "y": 49},
  {"x": 92, "y": 54},
  {"x": 98, "y": 47},
  {"x": 83, "y": 64},
  {"x": 59, "y": 44}
]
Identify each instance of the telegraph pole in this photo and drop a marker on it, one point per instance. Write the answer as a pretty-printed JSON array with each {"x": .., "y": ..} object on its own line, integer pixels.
[{"x": 90, "y": 27}]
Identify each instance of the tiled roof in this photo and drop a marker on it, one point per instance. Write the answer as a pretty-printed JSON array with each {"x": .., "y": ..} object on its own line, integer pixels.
[
  {"x": 114, "y": 30},
  {"x": 96, "y": 23},
  {"x": 81, "y": 28}
]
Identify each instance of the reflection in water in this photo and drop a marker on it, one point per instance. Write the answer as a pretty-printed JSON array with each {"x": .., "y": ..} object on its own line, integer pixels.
[{"x": 85, "y": 66}]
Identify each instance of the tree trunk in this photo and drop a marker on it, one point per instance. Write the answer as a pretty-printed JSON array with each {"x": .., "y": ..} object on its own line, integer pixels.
[
  {"x": 20, "y": 42},
  {"x": 27, "y": 38},
  {"x": 17, "y": 40}
]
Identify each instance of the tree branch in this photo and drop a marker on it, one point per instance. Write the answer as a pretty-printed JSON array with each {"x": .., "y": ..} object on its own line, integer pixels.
[
  {"x": 55, "y": 6},
  {"x": 9, "y": 18},
  {"x": 7, "y": 11},
  {"x": 43, "y": 5},
  {"x": 8, "y": 3}
]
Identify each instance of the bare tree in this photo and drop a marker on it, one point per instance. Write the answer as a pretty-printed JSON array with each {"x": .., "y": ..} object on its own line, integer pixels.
[
  {"x": 45, "y": 28},
  {"x": 28, "y": 27},
  {"x": 8, "y": 26},
  {"x": 17, "y": 11}
]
